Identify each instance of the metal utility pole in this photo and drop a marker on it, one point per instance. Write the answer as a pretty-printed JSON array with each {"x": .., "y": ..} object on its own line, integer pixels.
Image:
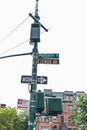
[
  {"x": 35, "y": 30},
  {"x": 34, "y": 39}
]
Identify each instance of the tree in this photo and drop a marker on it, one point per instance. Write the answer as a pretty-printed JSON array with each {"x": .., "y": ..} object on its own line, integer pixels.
[
  {"x": 21, "y": 122},
  {"x": 7, "y": 117},
  {"x": 10, "y": 119},
  {"x": 79, "y": 113}
]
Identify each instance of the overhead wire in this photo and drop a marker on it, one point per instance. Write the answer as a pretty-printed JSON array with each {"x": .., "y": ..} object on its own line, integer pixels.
[
  {"x": 13, "y": 30},
  {"x": 10, "y": 34},
  {"x": 14, "y": 47},
  {"x": 5, "y": 38}
]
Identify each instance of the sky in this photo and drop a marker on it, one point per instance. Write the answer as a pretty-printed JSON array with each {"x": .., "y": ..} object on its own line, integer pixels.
[{"x": 66, "y": 21}]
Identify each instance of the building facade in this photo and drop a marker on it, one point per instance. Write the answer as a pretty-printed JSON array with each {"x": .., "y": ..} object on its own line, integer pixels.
[
  {"x": 61, "y": 121},
  {"x": 2, "y": 105}
]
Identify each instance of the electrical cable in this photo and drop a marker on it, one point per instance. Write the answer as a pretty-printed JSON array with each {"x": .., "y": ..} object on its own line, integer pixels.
[
  {"x": 10, "y": 34},
  {"x": 17, "y": 45},
  {"x": 13, "y": 30},
  {"x": 44, "y": 31},
  {"x": 14, "y": 47}
]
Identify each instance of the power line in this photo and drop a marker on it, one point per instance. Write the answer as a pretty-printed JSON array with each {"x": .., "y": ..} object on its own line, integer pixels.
[
  {"x": 13, "y": 30},
  {"x": 10, "y": 34},
  {"x": 14, "y": 47},
  {"x": 17, "y": 45}
]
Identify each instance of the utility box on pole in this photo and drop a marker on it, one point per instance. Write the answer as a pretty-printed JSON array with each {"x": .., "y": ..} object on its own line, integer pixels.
[{"x": 35, "y": 33}]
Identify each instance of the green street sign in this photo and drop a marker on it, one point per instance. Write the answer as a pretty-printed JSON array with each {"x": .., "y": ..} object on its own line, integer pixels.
[{"x": 48, "y": 56}]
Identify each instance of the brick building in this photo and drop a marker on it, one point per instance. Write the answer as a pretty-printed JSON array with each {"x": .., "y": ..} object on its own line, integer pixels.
[
  {"x": 2, "y": 105},
  {"x": 59, "y": 122}
]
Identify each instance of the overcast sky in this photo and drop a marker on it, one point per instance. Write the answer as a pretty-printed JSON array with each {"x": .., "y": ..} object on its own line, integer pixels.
[{"x": 67, "y": 35}]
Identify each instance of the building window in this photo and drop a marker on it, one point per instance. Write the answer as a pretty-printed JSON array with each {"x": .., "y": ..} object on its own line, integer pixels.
[
  {"x": 54, "y": 119},
  {"x": 70, "y": 108},
  {"x": 62, "y": 118},
  {"x": 67, "y": 98},
  {"x": 44, "y": 128},
  {"x": 44, "y": 119},
  {"x": 71, "y": 98}
]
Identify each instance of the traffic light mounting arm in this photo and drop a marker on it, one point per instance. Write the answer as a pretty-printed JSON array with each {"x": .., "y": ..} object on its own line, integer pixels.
[{"x": 38, "y": 22}]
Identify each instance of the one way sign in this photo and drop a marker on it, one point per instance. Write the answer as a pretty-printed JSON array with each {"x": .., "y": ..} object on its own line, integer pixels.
[{"x": 28, "y": 79}]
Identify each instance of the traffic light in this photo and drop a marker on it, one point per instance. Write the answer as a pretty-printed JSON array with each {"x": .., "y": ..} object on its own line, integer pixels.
[
  {"x": 53, "y": 106},
  {"x": 39, "y": 102}
]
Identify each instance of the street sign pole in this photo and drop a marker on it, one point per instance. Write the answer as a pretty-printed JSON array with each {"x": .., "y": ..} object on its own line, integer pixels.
[
  {"x": 34, "y": 39},
  {"x": 31, "y": 120}
]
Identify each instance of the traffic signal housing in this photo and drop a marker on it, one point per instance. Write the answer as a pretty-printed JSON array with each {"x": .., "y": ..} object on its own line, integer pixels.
[
  {"x": 39, "y": 102},
  {"x": 53, "y": 106},
  {"x": 35, "y": 33}
]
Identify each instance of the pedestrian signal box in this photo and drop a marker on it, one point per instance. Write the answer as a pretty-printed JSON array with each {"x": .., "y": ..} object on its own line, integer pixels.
[
  {"x": 53, "y": 106},
  {"x": 39, "y": 102}
]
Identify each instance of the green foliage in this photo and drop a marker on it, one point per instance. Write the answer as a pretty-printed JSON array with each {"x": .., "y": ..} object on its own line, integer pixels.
[
  {"x": 7, "y": 117},
  {"x": 21, "y": 122},
  {"x": 10, "y": 119},
  {"x": 79, "y": 113}
]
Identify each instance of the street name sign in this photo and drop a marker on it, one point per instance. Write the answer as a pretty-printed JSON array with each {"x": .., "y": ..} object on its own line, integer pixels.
[
  {"x": 48, "y": 61},
  {"x": 48, "y": 56},
  {"x": 28, "y": 79}
]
